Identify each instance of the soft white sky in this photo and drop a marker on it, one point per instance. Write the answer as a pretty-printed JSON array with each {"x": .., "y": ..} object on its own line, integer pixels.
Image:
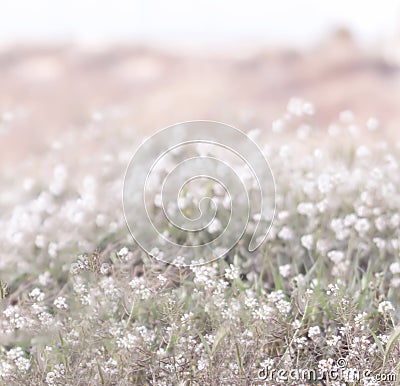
[{"x": 201, "y": 22}]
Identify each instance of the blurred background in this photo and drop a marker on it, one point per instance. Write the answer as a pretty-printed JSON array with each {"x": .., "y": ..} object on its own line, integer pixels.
[{"x": 149, "y": 64}]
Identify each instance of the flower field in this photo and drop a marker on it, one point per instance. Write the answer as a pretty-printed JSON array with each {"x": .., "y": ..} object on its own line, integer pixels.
[{"x": 81, "y": 304}]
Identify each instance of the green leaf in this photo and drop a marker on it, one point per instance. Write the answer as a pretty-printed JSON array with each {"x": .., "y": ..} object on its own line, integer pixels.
[
  {"x": 219, "y": 337},
  {"x": 395, "y": 336}
]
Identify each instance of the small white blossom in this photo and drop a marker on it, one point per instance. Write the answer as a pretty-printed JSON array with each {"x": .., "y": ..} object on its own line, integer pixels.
[
  {"x": 395, "y": 268},
  {"x": 285, "y": 233},
  {"x": 37, "y": 295},
  {"x": 123, "y": 252},
  {"x": 333, "y": 289},
  {"x": 385, "y": 307},
  {"x": 56, "y": 376},
  {"x": 61, "y": 303},
  {"x": 232, "y": 272},
  {"x": 333, "y": 340},
  {"x": 362, "y": 226},
  {"x": 215, "y": 226},
  {"x": 307, "y": 241},
  {"x": 314, "y": 331},
  {"x": 285, "y": 270}
]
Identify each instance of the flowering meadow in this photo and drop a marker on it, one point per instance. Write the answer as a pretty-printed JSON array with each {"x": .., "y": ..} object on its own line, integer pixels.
[{"x": 81, "y": 304}]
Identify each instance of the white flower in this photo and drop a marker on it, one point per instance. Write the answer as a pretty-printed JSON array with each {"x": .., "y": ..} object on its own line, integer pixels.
[
  {"x": 324, "y": 183},
  {"x": 61, "y": 303},
  {"x": 283, "y": 215},
  {"x": 301, "y": 342},
  {"x": 186, "y": 317},
  {"x": 346, "y": 116},
  {"x": 278, "y": 125},
  {"x": 336, "y": 256},
  {"x": 202, "y": 364},
  {"x": 283, "y": 307},
  {"x": 385, "y": 307},
  {"x": 299, "y": 107},
  {"x": 5, "y": 369},
  {"x": 395, "y": 282},
  {"x": 110, "y": 367},
  {"x": 342, "y": 232},
  {"x": 363, "y": 151},
  {"x": 333, "y": 340},
  {"x": 105, "y": 269},
  {"x": 394, "y": 221},
  {"x": 333, "y": 130},
  {"x": 341, "y": 268},
  {"x": 54, "y": 377},
  {"x": 263, "y": 312},
  {"x": 23, "y": 364},
  {"x": 384, "y": 339},
  {"x": 314, "y": 331},
  {"x": 333, "y": 289},
  {"x": 325, "y": 364},
  {"x": 380, "y": 224},
  {"x": 179, "y": 261},
  {"x": 362, "y": 226},
  {"x": 215, "y": 226},
  {"x": 322, "y": 246},
  {"x": 285, "y": 233},
  {"x": 155, "y": 252},
  {"x": 350, "y": 220},
  {"x": 15, "y": 353},
  {"x": 373, "y": 124},
  {"x": 379, "y": 242},
  {"x": 44, "y": 279},
  {"x": 250, "y": 301},
  {"x": 303, "y": 131},
  {"x": 307, "y": 241},
  {"x": 359, "y": 320},
  {"x": 275, "y": 296},
  {"x": 40, "y": 241},
  {"x": 37, "y": 295},
  {"x": 306, "y": 208},
  {"x": 296, "y": 324},
  {"x": 267, "y": 363},
  {"x": 53, "y": 249},
  {"x": 395, "y": 268},
  {"x": 162, "y": 278},
  {"x": 139, "y": 288},
  {"x": 50, "y": 378},
  {"x": 123, "y": 252},
  {"x": 285, "y": 270},
  {"x": 232, "y": 272}
]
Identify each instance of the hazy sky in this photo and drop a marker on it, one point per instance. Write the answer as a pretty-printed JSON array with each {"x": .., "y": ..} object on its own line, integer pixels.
[{"x": 205, "y": 22}]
